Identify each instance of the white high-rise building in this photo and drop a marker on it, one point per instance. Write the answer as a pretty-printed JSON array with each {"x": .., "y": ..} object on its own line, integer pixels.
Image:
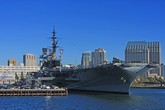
[
  {"x": 136, "y": 52},
  {"x": 98, "y": 57},
  {"x": 144, "y": 52},
  {"x": 86, "y": 60},
  {"x": 30, "y": 60},
  {"x": 93, "y": 59}
]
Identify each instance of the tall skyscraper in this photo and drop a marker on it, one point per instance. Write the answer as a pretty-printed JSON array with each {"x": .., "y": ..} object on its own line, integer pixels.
[
  {"x": 93, "y": 59},
  {"x": 86, "y": 60},
  {"x": 136, "y": 52},
  {"x": 164, "y": 71},
  {"x": 144, "y": 52},
  {"x": 154, "y": 52},
  {"x": 12, "y": 62},
  {"x": 29, "y": 60},
  {"x": 98, "y": 57}
]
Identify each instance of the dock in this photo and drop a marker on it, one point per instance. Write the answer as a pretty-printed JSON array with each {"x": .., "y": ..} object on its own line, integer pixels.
[{"x": 33, "y": 92}]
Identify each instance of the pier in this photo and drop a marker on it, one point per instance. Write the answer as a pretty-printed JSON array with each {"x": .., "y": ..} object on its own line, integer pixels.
[{"x": 33, "y": 92}]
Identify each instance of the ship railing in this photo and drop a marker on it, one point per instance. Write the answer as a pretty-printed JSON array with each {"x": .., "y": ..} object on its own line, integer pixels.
[{"x": 45, "y": 78}]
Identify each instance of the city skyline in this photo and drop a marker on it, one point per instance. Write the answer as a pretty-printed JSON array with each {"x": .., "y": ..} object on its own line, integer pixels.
[
  {"x": 93, "y": 58},
  {"x": 26, "y": 27}
]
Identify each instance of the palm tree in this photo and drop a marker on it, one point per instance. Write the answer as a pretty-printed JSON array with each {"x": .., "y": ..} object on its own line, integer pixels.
[
  {"x": 16, "y": 77},
  {"x": 22, "y": 77}
]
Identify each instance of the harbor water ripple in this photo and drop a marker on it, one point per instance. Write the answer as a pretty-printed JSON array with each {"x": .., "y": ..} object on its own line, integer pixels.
[{"x": 139, "y": 99}]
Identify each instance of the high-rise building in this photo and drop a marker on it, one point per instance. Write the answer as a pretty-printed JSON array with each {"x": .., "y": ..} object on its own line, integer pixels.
[
  {"x": 136, "y": 52},
  {"x": 144, "y": 52},
  {"x": 12, "y": 62},
  {"x": 93, "y": 59},
  {"x": 86, "y": 60},
  {"x": 98, "y": 57},
  {"x": 163, "y": 71},
  {"x": 29, "y": 60},
  {"x": 154, "y": 52}
]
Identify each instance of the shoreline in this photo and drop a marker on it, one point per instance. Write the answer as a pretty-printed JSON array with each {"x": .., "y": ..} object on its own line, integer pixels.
[{"x": 148, "y": 87}]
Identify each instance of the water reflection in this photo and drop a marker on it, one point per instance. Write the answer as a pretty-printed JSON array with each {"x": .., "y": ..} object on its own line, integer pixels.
[
  {"x": 138, "y": 99},
  {"x": 47, "y": 98}
]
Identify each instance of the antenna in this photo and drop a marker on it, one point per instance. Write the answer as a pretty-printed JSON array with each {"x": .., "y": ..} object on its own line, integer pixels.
[
  {"x": 61, "y": 53},
  {"x": 54, "y": 43},
  {"x": 54, "y": 32}
]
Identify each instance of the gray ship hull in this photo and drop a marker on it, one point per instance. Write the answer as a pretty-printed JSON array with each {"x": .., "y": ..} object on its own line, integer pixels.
[{"x": 108, "y": 78}]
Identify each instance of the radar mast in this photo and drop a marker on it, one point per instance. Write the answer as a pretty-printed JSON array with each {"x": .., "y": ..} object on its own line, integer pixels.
[{"x": 54, "y": 44}]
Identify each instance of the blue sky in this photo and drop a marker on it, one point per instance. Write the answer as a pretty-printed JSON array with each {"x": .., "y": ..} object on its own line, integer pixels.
[{"x": 81, "y": 25}]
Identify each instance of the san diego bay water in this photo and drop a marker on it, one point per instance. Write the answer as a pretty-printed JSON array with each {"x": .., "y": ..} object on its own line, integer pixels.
[{"x": 139, "y": 99}]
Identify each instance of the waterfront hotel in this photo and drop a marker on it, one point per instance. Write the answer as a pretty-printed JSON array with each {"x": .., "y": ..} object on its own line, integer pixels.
[{"x": 144, "y": 52}]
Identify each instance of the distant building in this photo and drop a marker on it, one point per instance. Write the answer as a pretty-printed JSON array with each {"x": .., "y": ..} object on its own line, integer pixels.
[
  {"x": 144, "y": 52},
  {"x": 7, "y": 73},
  {"x": 154, "y": 52},
  {"x": 116, "y": 60},
  {"x": 93, "y": 59},
  {"x": 86, "y": 60},
  {"x": 136, "y": 52},
  {"x": 163, "y": 71},
  {"x": 98, "y": 57},
  {"x": 12, "y": 62},
  {"x": 29, "y": 60}
]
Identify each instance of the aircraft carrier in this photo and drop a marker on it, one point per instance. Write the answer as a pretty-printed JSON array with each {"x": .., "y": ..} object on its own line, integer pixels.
[{"x": 111, "y": 77}]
